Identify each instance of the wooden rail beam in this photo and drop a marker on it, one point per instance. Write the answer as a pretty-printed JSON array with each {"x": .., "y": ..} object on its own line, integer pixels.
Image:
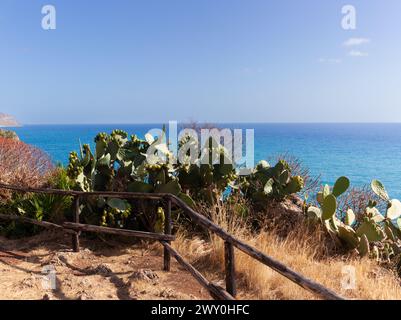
[
  {"x": 72, "y": 193},
  {"x": 300, "y": 280},
  {"x": 167, "y": 230},
  {"x": 44, "y": 224},
  {"x": 215, "y": 291},
  {"x": 118, "y": 232},
  {"x": 75, "y": 214},
  {"x": 229, "y": 263}
]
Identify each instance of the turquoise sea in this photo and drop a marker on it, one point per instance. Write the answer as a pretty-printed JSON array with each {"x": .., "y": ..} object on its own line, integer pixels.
[{"x": 360, "y": 151}]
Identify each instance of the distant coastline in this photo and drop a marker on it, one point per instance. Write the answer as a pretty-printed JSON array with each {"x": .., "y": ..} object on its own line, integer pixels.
[{"x": 7, "y": 121}]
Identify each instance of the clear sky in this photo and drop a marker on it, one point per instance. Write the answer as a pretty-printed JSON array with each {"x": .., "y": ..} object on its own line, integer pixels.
[{"x": 129, "y": 61}]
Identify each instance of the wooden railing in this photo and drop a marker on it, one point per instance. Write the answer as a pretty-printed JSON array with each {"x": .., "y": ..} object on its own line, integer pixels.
[{"x": 230, "y": 242}]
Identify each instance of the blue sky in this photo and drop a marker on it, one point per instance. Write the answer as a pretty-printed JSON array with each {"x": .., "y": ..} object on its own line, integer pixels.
[{"x": 129, "y": 61}]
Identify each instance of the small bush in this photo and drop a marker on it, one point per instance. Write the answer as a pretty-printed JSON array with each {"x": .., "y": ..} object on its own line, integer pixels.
[
  {"x": 26, "y": 166},
  {"x": 22, "y": 165},
  {"x": 8, "y": 134},
  {"x": 46, "y": 207}
]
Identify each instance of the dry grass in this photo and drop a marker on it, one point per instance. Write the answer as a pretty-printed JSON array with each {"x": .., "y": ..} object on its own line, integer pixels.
[
  {"x": 302, "y": 250},
  {"x": 22, "y": 164}
]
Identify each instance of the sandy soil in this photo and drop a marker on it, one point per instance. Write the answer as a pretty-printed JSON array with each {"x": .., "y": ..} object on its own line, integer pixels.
[{"x": 100, "y": 271}]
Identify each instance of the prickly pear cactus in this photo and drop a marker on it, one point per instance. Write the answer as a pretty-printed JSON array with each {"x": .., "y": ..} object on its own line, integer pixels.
[
  {"x": 371, "y": 229},
  {"x": 375, "y": 235},
  {"x": 379, "y": 189},
  {"x": 208, "y": 180},
  {"x": 267, "y": 183},
  {"x": 363, "y": 247},
  {"x": 348, "y": 235},
  {"x": 350, "y": 217},
  {"x": 340, "y": 186}
]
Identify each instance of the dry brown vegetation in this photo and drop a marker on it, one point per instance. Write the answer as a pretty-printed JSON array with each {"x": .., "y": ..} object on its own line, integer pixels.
[
  {"x": 306, "y": 251},
  {"x": 22, "y": 164}
]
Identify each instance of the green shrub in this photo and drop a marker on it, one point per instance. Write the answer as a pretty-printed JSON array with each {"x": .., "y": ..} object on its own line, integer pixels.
[
  {"x": 267, "y": 183},
  {"x": 8, "y": 134},
  {"x": 376, "y": 235},
  {"x": 47, "y": 207}
]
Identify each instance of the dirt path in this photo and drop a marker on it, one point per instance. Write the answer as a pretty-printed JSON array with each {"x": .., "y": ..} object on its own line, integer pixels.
[{"x": 99, "y": 271}]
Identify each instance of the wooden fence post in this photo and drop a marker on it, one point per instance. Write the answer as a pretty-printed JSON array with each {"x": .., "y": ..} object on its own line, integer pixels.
[
  {"x": 229, "y": 260},
  {"x": 76, "y": 212},
  {"x": 167, "y": 230}
]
